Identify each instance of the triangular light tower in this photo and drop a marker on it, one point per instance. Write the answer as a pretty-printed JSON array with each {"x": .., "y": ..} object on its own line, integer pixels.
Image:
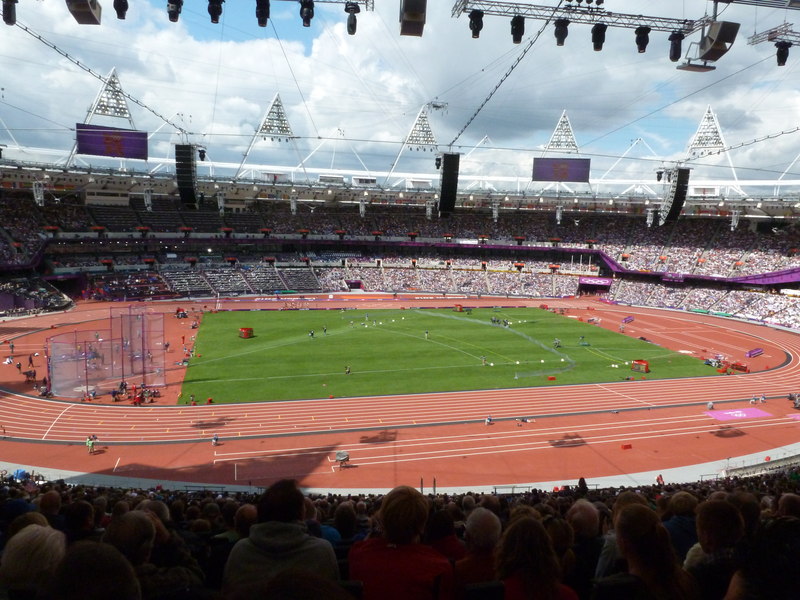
[
  {"x": 274, "y": 125},
  {"x": 563, "y": 139},
  {"x": 708, "y": 140},
  {"x": 421, "y": 135},
  {"x": 708, "y": 137}
]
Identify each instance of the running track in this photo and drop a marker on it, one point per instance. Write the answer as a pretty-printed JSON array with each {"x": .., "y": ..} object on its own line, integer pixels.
[{"x": 588, "y": 430}]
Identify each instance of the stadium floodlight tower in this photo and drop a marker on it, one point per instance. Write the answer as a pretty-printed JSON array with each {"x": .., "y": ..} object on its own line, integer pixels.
[
  {"x": 421, "y": 136},
  {"x": 274, "y": 127}
]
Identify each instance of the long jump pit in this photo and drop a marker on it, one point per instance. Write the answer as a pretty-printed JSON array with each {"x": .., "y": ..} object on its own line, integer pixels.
[{"x": 611, "y": 434}]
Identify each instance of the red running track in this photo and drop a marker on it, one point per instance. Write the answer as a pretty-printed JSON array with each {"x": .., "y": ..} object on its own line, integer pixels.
[{"x": 597, "y": 430}]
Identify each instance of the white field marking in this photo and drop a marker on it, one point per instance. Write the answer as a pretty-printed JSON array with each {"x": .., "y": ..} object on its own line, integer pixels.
[
  {"x": 701, "y": 420},
  {"x": 53, "y": 424},
  {"x": 116, "y": 464},
  {"x": 632, "y": 398},
  {"x": 545, "y": 445}
]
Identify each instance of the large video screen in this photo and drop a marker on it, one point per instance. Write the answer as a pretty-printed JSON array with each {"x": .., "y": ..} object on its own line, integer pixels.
[
  {"x": 111, "y": 141},
  {"x": 561, "y": 169}
]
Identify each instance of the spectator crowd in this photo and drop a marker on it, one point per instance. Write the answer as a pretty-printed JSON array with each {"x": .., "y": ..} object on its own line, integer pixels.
[{"x": 730, "y": 538}]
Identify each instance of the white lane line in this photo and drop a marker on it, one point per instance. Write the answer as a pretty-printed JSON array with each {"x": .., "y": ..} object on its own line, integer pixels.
[
  {"x": 53, "y": 424},
  {"x": 606, "y": 389}
]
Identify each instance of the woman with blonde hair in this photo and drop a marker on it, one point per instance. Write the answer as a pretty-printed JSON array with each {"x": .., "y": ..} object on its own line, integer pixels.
[{"x": 30, "y": 559}]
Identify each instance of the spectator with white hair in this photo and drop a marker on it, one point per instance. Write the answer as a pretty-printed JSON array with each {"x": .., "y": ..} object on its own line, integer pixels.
[{"x": 481, "y": 534}]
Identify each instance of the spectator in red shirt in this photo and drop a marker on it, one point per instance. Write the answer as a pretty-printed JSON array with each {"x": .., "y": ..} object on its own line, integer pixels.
[{"x": 394, "y": 565}]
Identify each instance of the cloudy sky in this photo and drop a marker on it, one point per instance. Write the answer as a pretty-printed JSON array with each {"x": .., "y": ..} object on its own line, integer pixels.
[{"x": 352, "y": 100}]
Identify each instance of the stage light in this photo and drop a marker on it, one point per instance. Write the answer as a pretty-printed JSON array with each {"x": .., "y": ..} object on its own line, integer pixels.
[
  {"x": 352, "y": 9},
  {"x": 262, "y": 12},
  {"x": 9, "y": 12},
  {"x": 437, "y": 162},
  {"x": 561, "y": 31},
  {"x": 659, "y": 175},
  {"x": 476, "y": 23},
  {"x": 675, "y": 50},
  {"x": 306, "y": 12},
  {"x": 598, "y": 36},
  {"x": 121, "y": 7},
  {"x": 201, "y": 153},
  {"x": 174, "y": 10},
  {"x": 642, "y": 38},
  {"x": 517, "y": 28},
  {"x": 783, "y": 51},
  {"x": 215, "y": 10}
]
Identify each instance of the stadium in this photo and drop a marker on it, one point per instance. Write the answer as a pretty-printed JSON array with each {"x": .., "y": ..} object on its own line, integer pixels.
[{"x": 699, "y": 270}]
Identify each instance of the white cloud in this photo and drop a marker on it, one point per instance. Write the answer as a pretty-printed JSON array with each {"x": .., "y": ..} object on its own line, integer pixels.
[{"x": 364, "y": 91}]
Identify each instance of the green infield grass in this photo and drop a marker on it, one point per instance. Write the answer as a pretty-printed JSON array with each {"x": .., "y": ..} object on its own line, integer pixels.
[{"x": 387, "y": 352}]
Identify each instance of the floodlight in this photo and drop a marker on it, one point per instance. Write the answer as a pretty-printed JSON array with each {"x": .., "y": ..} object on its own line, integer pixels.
[
  {"x": 783, "y": 51},
  {"x": 438, "y": 162},
  {"x": 174, "y": 10},
  {"x": 675, "y": 50},
  {"x": 352, "y": 9},
  {"x": 215, "y": 10},
  {"x": 9, "y": 12},
  {"x": 201, "y": 153},
  {"x": 642, "y": 38},
  {"x": 659, "y": 175},
  {"x": 476, "y": 23},
  {"x": 598, "y": 36},
  {"x": 306, "y": 12},
  {"x": 561, "y": 32},
  {"x": 121, "y": 7},
  {"x": 517, "y": 28},
  {"x": 262, "y": 12}
]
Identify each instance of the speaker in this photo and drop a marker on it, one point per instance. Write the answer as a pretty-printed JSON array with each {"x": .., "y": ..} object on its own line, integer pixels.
[
  {"x": 681, "y": 188},
  {"x": 447, "y": 195},
  {"x": 412, "y": 17},
  {"x": 86, "y": 12},
  {"x": 186, "y": 174},
  {"x": 720, "y": 38}
]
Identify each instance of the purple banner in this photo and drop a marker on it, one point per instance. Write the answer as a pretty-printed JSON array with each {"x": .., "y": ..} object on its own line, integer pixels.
[
  {"x": 595, "y": 281},
  {"x": 627, "y": 320},
  {"x": 111, "y": 141},
  {"x": 561, "y": 169},
  {"x": 672, "y": 277},
  {"x": 754, "y": 352}
]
